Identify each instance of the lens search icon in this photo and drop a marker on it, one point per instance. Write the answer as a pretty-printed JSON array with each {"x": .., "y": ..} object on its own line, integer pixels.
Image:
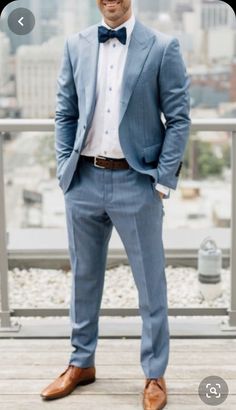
[{"x": 213, "y": 390}]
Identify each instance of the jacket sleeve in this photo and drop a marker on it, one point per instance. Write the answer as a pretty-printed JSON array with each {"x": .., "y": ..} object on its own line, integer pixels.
[
  {"x": 67, "y": 112},
  {"x": 175, "y": 105}
]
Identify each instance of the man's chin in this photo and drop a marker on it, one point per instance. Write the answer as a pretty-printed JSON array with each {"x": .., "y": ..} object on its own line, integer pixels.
[{"x": 112, "y": 15}]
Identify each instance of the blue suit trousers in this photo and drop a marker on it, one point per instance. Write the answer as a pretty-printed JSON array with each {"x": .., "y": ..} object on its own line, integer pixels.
[{"x": 97, "y": 200}]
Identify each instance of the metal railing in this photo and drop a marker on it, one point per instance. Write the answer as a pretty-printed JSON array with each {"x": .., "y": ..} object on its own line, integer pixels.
[{"x": 6, "y": 313}]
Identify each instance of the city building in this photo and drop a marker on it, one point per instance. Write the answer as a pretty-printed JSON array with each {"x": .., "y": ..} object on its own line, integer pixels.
[
  {"x": 4, "y": 59},
  {"x": 211, "y": 85},
  {"x": 36, "y": 73},
  {"x": 210, "y": 30},
  {"x": 215, "y": 13},
  {"x": 76, "y": 15}
]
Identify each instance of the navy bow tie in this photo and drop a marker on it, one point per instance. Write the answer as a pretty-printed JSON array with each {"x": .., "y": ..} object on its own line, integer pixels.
[{"x": 105, "y": 34}]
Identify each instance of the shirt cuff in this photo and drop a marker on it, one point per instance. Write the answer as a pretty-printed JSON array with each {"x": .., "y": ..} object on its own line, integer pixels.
[{"x": 162, "y": 188}]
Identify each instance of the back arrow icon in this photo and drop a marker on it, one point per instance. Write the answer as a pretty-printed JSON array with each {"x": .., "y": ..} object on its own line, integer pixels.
[{"x": 20, "y": 21}]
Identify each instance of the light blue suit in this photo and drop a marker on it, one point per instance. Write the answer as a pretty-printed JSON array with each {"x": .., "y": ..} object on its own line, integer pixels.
[{"x": 155, "y": 80}]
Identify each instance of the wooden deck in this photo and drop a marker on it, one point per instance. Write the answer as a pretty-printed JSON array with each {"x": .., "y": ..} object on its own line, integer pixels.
[{"x": 28, "y": 365}]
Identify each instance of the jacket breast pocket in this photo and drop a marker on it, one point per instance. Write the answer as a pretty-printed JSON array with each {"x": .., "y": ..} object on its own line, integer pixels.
[{"x": 151, "y": 153}]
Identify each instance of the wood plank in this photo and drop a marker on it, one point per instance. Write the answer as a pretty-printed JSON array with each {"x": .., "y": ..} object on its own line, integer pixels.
[
  {"x": 108, "y": 386},
  {"x": 124, "y": 402},
  {"x": 74, "y": 402},
  {"x": 27, "y": 366},
  {"x": 123, "y": 358},
  {"x": 186, "y": 372},
  {"x": 60, "y": 345}
]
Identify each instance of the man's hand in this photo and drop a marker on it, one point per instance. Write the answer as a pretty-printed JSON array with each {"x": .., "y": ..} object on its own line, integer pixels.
[{"x": 161, "y": 194}]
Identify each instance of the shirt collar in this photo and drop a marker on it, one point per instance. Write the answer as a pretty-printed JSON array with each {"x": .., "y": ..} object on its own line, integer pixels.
[{"x": 129, "y": 24}]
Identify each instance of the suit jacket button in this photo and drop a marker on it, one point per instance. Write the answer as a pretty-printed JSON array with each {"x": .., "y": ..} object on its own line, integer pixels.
[{"x": 76, "y": 150}]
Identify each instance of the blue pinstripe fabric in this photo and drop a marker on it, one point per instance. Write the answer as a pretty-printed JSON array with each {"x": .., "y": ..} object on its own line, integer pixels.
[{"x": 98, "y": 200}]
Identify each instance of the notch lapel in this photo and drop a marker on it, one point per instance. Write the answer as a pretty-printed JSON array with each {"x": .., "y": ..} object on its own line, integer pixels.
[{"x": 139, "y": 47}]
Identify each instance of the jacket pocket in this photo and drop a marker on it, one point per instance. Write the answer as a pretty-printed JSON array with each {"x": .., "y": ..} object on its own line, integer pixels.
[{"x": 151, "y": 153}]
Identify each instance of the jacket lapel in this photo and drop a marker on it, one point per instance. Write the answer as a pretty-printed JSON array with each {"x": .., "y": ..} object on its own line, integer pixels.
[
  {"x": 140, "y": 44},
  {"x": 89, "y": 64}
]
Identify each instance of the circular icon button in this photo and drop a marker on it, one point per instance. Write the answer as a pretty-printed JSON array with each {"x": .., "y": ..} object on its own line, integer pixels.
[
  {"x": 213, "y": 390},
  {"x": 21, "y": 21}
]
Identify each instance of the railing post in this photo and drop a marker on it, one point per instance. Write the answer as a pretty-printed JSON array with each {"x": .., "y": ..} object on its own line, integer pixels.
[
  {"x": 232, "y": 311},
  {"x": 4, "y": 302}
]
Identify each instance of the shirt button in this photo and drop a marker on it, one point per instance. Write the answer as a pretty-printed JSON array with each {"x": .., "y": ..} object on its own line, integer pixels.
[
  {"x": 105, "y": 152},
  {"x": 111, "y": 66},
  {"x": 114, "y": 45},
  {"x": 106, "y": 132},
  {"x": 108, "y": 110},
  {"x": 110, "y": 88}
]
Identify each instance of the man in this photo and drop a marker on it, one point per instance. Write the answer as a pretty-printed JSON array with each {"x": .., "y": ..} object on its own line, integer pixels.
[{"x": 116, "y": 163}]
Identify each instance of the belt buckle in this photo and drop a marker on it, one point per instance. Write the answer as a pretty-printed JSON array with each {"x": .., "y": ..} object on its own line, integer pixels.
[{"x": 95, "y": 163}]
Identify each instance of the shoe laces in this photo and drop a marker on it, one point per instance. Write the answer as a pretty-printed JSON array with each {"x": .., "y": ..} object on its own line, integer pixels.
[
  {"x": 155, "y": 380},
  {"x": 68, "y": 367}
]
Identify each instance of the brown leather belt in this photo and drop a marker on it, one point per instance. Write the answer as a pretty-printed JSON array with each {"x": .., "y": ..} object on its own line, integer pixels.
[{"x": 109, "y": 163}]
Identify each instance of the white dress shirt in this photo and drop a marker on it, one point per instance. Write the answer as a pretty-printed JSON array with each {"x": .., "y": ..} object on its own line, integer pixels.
[{"x": 103, "y": 137}]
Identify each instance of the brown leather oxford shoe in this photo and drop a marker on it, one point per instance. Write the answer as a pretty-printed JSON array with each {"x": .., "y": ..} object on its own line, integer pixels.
[
  {"x": 67, "y": 381},
  {"x": 155, "y": 394}
]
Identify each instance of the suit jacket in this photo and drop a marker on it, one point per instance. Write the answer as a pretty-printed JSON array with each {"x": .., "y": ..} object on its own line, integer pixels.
[{"x": 155, "y": 81}]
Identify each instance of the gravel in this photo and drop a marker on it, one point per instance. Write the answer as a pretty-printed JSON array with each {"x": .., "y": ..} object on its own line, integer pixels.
[{"x": 34, "y": 288}]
